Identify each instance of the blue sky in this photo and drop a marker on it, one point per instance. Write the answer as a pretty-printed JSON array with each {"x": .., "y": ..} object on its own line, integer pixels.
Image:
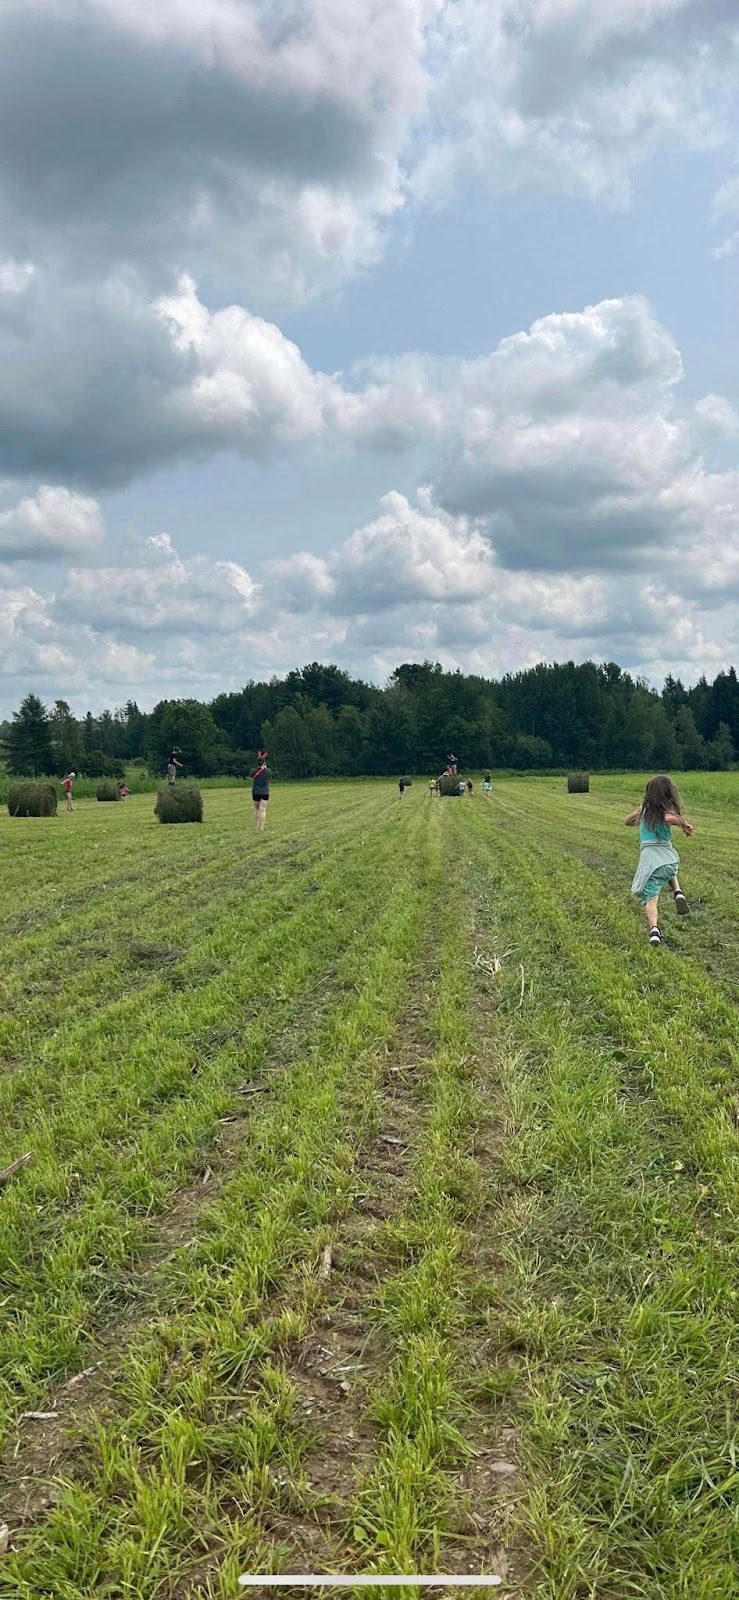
[{"x": 364, "y": 334}]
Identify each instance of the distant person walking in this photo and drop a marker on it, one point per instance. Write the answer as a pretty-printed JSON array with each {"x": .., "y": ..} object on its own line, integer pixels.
[
  {"x": 660, "y": 810},
  {"x": 69, "y": 789},
  {"x": 402, "y": 785},
  {"x": 261, "y": 777},
  {"x": 486, "y": 783},
  {"x": 172, "y": 765}
]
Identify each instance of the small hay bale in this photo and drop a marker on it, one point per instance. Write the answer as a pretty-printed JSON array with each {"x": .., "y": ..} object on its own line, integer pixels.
[
  {"x": 108, "y": 790},
  {"x": 449, "y": 785},
  {"x": 578, "y": 783},
  {"x": 179, "y": 802},
  {"x": 32, "y": 800}
]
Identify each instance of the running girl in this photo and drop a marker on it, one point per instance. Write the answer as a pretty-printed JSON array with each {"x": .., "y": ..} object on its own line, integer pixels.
[
  {"x": 260, "y": 790},
  {"x": 486, "y": 783},
  {"x": 660, "y": 810}
]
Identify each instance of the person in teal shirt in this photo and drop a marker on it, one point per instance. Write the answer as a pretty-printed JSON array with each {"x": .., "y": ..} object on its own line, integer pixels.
[{"x": 660, "y": 811}]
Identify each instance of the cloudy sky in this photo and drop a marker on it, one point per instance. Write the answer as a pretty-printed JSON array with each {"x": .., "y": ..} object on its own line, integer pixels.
[{"x": 365, "y": 331}]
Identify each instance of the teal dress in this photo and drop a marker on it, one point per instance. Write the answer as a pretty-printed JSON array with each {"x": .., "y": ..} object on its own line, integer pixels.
[{"x": 658, "y": 861}]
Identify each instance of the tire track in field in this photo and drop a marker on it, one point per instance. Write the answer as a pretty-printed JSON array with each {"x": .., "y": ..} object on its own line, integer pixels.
[
  {"x": 357, "y": 1352},
  {"x": 179, "y": 860},
  {"x": 187, "y": 1210},
  {"x": 48, "y": 1451},
  {"x": 593, "y": 1181},
  {"x": 214, "y": 1087},
  {"x": 142, "y": 989}
]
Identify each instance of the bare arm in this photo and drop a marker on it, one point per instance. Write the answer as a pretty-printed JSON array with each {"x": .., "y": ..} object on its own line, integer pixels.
[
  {"x": 674, "y": 821},
  {"x": 633, "y": 818}
]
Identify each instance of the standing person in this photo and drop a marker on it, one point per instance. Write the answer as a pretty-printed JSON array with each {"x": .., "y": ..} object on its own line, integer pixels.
[
  {"x": 433, "y": 786},
  {"x": 68, "y": 789},
  {"x": 660, "y": 810},
  {"x": 461, "y": 788},
  {"x": 486, "y": 783},
  {"x": 172, "y": 766},
  {"x": 469, "y": 786},
  {"x": 402, "y": 787},
  {"x": 261, "y": 777}
]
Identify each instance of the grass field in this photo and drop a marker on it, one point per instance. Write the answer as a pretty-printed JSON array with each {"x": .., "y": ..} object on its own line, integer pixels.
[{"x": 383, "y": 1207}]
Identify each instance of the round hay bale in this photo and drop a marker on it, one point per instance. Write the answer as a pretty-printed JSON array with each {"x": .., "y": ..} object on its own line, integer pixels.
[
  {"x": 107, "y": 790},
  {"x": 449, "y": 785},
  {"x": 578, "y": 783},
  {"x": 32, "y": 800},
  {"x": 179, "y": 802}
]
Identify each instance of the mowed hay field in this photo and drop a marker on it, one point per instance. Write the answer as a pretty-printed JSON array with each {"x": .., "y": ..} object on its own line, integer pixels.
[{"x": 382, "y": 1213}]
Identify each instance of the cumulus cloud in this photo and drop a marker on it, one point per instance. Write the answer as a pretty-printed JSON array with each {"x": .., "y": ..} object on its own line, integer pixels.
[
  {"x": 265, "y": 136},
  {"x": 152, "y": 590},
  {"x": 54, "y": 522},
  {"x": 414, "y": 582},
  {"x": 577, "y": 94},
  {"x": 569, "y": 443}
]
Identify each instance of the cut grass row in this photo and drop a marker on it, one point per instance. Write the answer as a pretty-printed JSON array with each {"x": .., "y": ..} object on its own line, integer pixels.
[
  {"x": 617, "y": 1224},
  {"x": 118, "y": 1106},
  {"x": 610, "y": 1208},
  {"x": 205, "y": 1437},
  {"x": 105, "y": 954}
]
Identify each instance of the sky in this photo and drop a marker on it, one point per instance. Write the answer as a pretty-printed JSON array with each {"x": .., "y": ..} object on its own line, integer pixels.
[{"x": 365, "y": 331}]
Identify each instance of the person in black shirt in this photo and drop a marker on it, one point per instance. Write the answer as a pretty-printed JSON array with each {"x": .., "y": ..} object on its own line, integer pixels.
[
  {"x": 172, "y": 766},
  {"x": 261, "y": 777}
]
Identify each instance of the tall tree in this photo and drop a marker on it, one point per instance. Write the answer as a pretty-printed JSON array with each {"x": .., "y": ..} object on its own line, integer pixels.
[
  {"x": 292, "y": 753},
  {"x": 30, "y": 752},
  {"x": 691, "y": 744},
  {"x": 66, "y": 738},
  {"x": 720, "y": 751}
]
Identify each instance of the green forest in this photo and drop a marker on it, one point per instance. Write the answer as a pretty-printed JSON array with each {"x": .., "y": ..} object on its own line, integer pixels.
[{"x": 318, "y": 721}]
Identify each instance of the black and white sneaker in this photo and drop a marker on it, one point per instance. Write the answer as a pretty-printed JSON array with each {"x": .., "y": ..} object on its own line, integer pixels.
[
  {"x": 681, "y": 905},
  {"x": 655, "y": 937}
]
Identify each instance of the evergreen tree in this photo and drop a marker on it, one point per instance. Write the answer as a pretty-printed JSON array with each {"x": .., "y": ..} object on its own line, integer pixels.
[
  {"x": 692, "y": 746},
  {"x": 66, "y": 739},
  {"x": 30, "y": 753},
  {"x": 720, "y": 751}
]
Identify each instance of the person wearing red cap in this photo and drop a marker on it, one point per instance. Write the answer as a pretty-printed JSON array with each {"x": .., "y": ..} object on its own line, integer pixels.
[{"x": 68, "y": 788}]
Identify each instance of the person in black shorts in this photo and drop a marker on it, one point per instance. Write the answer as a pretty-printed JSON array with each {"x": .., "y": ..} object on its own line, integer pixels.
[
  {"x": 402, "y": 787},
  {"x": 261, "y": 777}
]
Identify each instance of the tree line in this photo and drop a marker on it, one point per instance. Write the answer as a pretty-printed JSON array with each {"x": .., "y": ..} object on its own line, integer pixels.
[{"x": 319, "y": 721}]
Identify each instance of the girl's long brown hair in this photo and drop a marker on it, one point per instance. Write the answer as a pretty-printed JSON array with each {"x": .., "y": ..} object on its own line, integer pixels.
[{"x": 660, "y": 796}]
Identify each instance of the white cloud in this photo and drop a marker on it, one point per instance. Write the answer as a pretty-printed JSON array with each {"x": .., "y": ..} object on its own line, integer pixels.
[
  {"x": 54, "y": 522},
  {"x": 577, "y": 94},
  {"x": 156, "y": 591},
  {"x": 15, "y": 276},
  {"x": 265, "y": 137}
]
